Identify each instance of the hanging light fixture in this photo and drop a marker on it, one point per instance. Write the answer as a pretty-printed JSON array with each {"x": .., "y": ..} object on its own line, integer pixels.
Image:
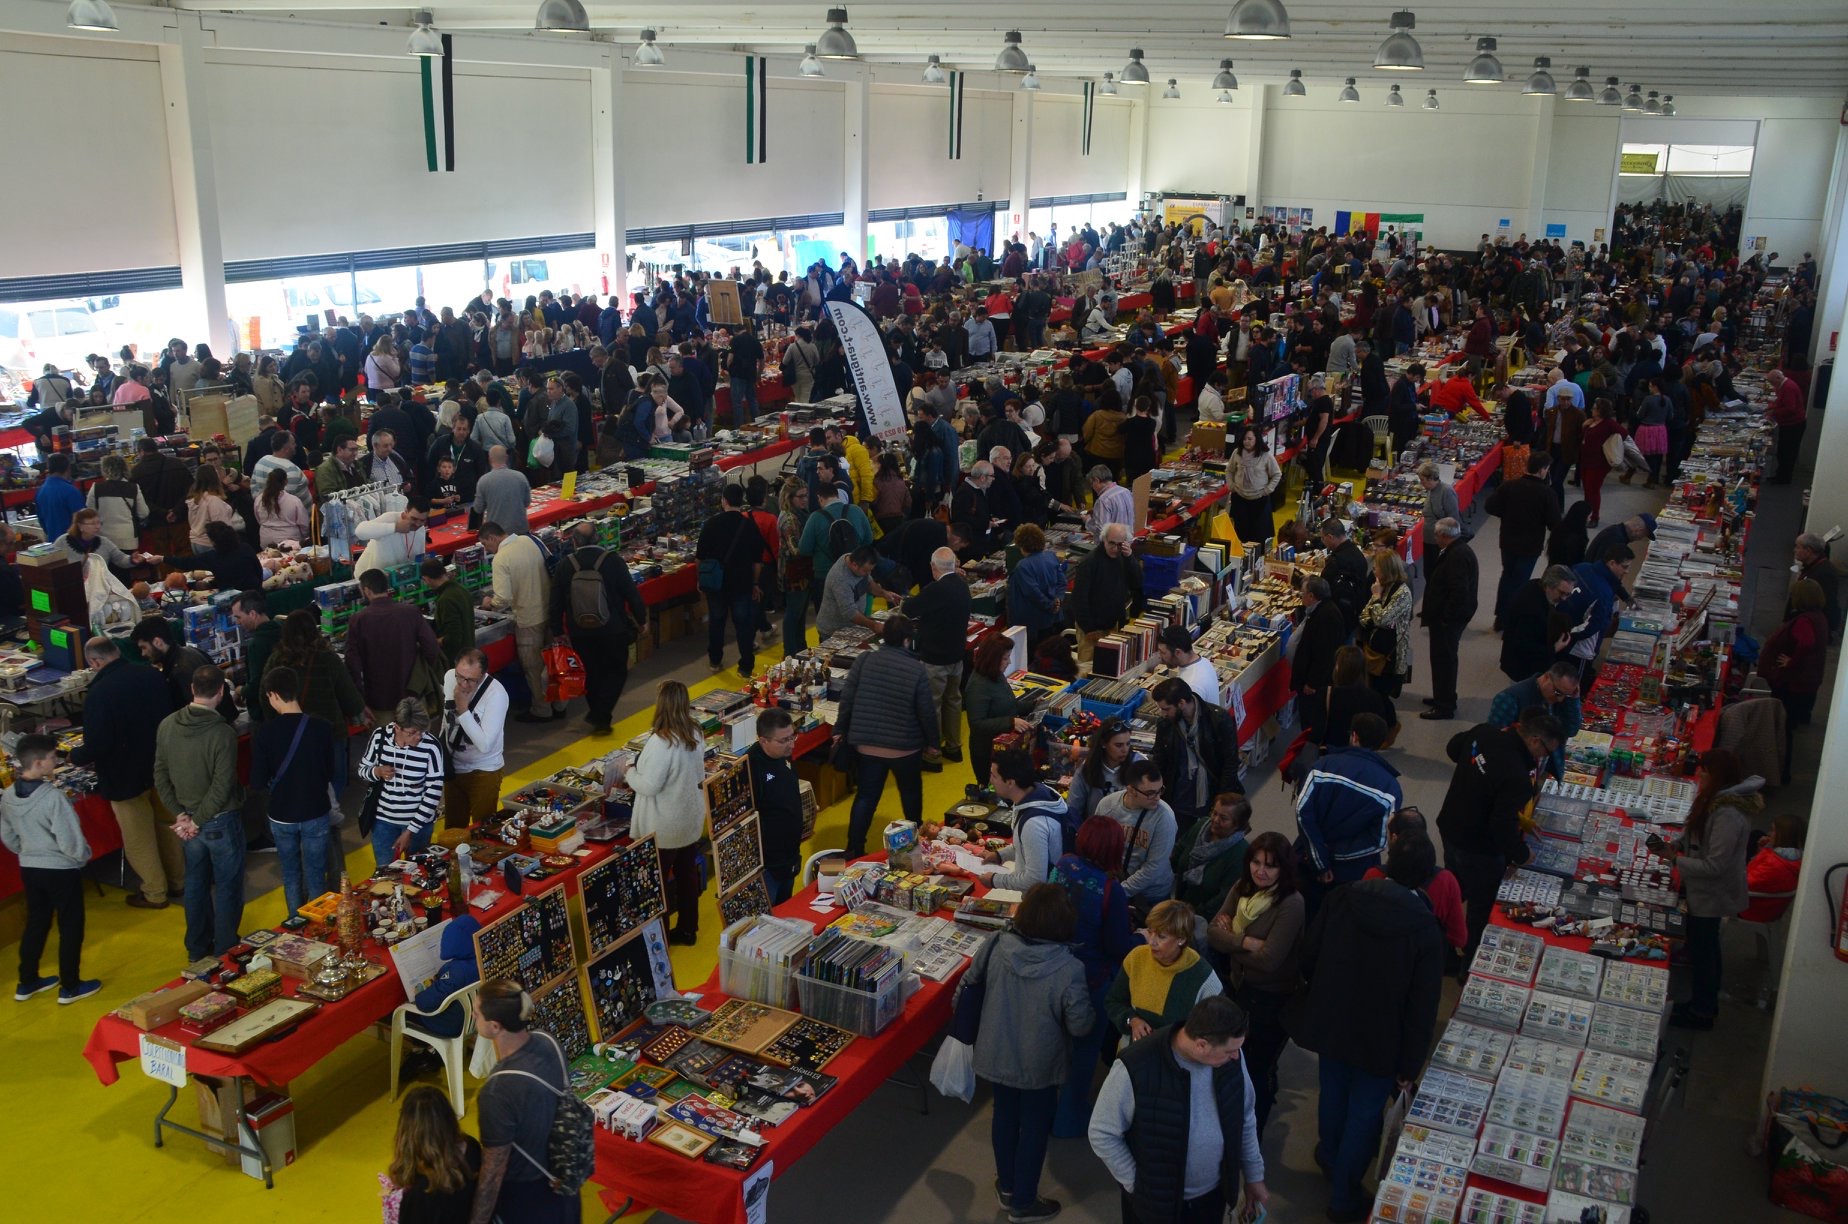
[
  {"x": 1400, "y": 52},
  {"x": 1031, "y": 79},
  {"x": 1293, "y": 88},
  {"x": 562, "y": 17},
  {"x": 1633, "y": 101},
  {"x": 648, "y": 55},
  {"x": 91, "y": 15},
  {"x": 1609, "y": 96},
  {"x": 1654, "y": 105},
  {"x": 1348, "y": 92},
  {"x": 1012, "y": 58},
  {"x": 1225, "y": 79},
  {"x": 1430, "y": 102},
  {"x": 1486, "y": 68},
  {"x": 1540, "y": 82},
  {"x": 1225, "y": 97},
  {"x": 1668, "y": 107},
  {"x": 1581, "y": 90},
  {"x": 1258, "y": 20},
  {"x": 835, "y": 42},
  {"x": 810, "y": 66},
  {"x": 425, "y": 41},
  {"x": 1108, "y": 84},
  {"x": 933, "y": 71},
  {"x": 1394, "y": 97},
  {"x": 1135, "y": 72},
  {"x": 1173, "y": 92}
]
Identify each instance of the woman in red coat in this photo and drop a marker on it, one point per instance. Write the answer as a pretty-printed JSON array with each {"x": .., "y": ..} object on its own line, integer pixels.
[{"x": 1593, "y": 467}]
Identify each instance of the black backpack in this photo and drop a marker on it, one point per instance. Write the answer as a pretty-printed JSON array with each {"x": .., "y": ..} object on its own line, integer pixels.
[
  {"x": 843, "y": 536},
  {"x": 570, "y": 1146}
]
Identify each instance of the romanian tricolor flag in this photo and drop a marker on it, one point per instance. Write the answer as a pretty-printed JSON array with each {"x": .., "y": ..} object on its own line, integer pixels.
[{"x": 1356, "y": 223}]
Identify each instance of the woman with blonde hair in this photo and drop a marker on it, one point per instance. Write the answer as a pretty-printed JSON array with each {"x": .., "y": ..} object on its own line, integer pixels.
[
  {"x": 669, "y": 803},
  {"x": 1160, "y": 980},
  {"x": 206, "y": 503},
  {"x": 434, "y": 1165},
  {"x": 1386, "y": 621},
  {"x": 384, "y": 372}
]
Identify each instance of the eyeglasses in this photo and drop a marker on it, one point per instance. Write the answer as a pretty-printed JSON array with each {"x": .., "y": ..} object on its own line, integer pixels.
[{"x": 1147, "y": 794}]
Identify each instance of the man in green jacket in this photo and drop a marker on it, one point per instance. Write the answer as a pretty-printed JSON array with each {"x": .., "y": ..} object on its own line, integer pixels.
[
  {"x": 453, "y": 612},
  {"x": 340, "y": 470},
  {"x": 251, "y": 612},
  {"x": 195, "y": 772}
]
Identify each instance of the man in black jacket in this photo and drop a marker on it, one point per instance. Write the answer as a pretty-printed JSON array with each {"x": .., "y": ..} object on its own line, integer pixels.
[
  {"x": 1313, "y": 668},
  {"x": 1349, "y": 577},
  {"x": 941, "y": 611},
  {"x": 1528, "y": 508},
  {"x": 1449, "y": 603},
  {"x": 777, "y": 795},
  {"x": 1196, "y": 749},
  {"x": 969, "y": 503},
  {"x": 1533, "y": 632},
  {"x": 1373, "y": 951},
  {"x": 122, "y": 710},
  {"x": 164, "y": 482},
  {"x": 604, "y": 647},
  {"x": 1102, "y": 584},
  {"x": 1497, "y": 774},
  {"x": 731, "y": 541}
]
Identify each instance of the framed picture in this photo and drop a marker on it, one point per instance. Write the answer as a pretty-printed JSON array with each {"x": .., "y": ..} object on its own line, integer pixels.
[
  {"x": 738, "y": 853},
  {"x": 750, "y": 897},
  {"x": 681, "y": 1139}
]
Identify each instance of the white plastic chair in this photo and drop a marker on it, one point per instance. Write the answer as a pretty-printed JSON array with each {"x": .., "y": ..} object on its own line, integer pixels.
[
  {"x": 1771, "y": 938},
  {"x": 452, "y": 1050},
  {"x": 811, "y": 868},
  {"x": 1381, "y": 428}
]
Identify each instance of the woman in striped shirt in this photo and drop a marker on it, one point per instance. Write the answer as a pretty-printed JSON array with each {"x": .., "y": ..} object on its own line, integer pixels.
[{"x": 408, "y": 760}]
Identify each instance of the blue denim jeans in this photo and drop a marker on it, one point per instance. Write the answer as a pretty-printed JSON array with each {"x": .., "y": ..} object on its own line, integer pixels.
[
  {"x": 782, "y": 881},
  {"x": 1022, "y": 1126},
  {"x": 743, "y": 400},
  {"x": 302, "y": 848},
  {"x": 1073, "y": 1117},
  {"x": 870, "y": 779},
  {"x": 214, "y": 899},
  {"x": 385, "y": 833},
  {"x": 1349, "y": 1121},
  {"x": 1517, "y": 568},
  {"x": 741, "y": 611}
]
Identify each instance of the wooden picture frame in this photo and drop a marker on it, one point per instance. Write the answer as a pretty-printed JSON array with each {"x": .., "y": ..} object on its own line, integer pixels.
[
  {"x": 738, "y": 853},
  {"x": 621, "y": 894},
  {"x": 681, "y": 1140},
  {"x": 535, "y": 944}
]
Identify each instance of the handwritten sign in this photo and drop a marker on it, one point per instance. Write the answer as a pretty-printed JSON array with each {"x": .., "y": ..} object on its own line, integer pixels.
[
  {"x": 163, "y": 1060},
  {"x": 567, "y": 488}
]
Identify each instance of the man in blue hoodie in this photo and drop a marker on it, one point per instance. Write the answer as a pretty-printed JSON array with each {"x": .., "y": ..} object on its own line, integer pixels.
[
  {"x": 1040, "y": 834},
  {"x": 1590, "y": 608},
  {"x": 1343, "y": 809},
  {"x": 457, "y": 970},
  {"x": 57, "y": 499}
]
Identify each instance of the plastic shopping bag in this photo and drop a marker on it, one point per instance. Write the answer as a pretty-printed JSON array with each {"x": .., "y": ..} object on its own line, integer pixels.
[
  {"x": 952, "y": 1071},
  {"x": 112, "y": 608},
  {"x": 1396, "y": 1109},
  {"x": 564, "y": 673}
]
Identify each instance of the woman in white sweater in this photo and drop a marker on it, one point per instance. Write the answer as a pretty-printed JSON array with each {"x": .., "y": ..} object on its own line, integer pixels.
[
  {"x": 1253, "y": 475},
  {"x": 669, "y": 803}
]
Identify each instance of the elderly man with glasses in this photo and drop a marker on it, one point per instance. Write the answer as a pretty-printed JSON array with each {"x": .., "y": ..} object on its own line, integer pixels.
[{"x": 1106, "y": 589}]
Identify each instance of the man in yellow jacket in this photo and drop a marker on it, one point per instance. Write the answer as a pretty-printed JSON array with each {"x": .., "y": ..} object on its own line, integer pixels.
[{"x": 859, "y": 464}]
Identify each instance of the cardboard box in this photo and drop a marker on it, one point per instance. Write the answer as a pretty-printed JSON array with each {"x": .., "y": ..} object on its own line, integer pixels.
[{"x": 158, "y": 1007}]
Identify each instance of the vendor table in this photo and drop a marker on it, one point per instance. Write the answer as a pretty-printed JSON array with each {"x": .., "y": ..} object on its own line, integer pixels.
[{"x": 634, "y": 1175}]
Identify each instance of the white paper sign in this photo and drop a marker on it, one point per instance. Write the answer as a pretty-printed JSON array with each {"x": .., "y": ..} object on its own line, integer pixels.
[
  {"x": 418, "y": 959},
  {"x": 1238, "y": 704},
  {"x": 757, "y": 1193},
  {"x": 163, "y": 1060}
]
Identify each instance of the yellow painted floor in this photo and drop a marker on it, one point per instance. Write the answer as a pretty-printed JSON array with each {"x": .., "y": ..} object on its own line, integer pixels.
[{"x": 74, "y": 1144}]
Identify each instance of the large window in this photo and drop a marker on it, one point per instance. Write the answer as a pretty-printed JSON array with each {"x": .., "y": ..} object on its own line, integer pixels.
[
  {"x": 1716, "y": 175},
  {"x": 65, "y": 331},
  {"x": 779, "y": 250}
]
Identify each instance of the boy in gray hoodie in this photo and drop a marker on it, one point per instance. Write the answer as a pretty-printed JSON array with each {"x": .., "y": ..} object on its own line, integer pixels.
[{"x": 38, "y": 824}]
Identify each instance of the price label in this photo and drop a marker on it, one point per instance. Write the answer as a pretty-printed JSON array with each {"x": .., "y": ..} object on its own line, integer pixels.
[
  {"x": 163, "y": 1060},
  {"x": 1238, "y": 704}
]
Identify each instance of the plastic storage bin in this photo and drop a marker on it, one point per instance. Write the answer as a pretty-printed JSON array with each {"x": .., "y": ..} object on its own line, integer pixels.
[
  {"x": 758, "y": 979},
  {"x": 1107, "y": 710},
  {"x": 854, "y": 1010},
  {"x": 1162, "y": 574}
]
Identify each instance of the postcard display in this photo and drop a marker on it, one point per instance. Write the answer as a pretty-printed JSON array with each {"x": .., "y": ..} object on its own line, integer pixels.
[
  {"x": 1532, "y": 1109},
  {"x": 737, "y": 842}
]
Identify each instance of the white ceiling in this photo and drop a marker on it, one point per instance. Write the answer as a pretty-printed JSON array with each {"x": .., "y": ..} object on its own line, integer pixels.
[{"x": 1685, "y": 46}]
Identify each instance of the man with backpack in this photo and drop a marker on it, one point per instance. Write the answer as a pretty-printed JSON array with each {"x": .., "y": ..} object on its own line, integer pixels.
[
  {"x": 596, "y": 604},
  {"x": 537, "y": 1147},
  {"x": 836, "y": 528}
]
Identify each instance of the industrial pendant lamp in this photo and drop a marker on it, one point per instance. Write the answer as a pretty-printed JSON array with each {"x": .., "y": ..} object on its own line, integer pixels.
[
  {"x": 1031, "y": 80},
  {"x": 810, "y": 66},
  {"x": 91, "y": 15},
  {"x": 648, "y": 55},
  {"x": 1258, "y": 20},
  {"x": 1348, "y": 92},
  {"x": 1668, "y": 106},
  {"x": 1394, "y": 97},
  {"x": 1225, "y": 79},
  {"x": 1541, "y": 83},
  {"x": 1400, "y": 52},
  {"x": 1654, "y": 105},
  {"x": 1108, "y": 84},
  {"x": 1012, "y": 58},
  {"x": 1135, "y": 72},
  {"x": 1633, "y": 101},
  {"x": 1486, "y": 68},
  {"x": 1430, "y": 102},
  {"x": 1609, "y": 96},
  {"x": 1173, "y": 92},
  {"x": 1293, "y": 88},
  {"x": 835, "y": 42},
  {"x": 425, "y": 41},
  {"x": 933, "y": 71},
  {"x": 1581, "y": 90},
  {"x": 562, "y": 17},
  {"x": 1225, "y": 97}
]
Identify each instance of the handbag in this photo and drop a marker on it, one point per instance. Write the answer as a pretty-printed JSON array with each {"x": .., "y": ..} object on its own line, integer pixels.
[
  {"x": 1613, "y": 450},
  {"x": 375, "y": 790},
  {"x": 966, "y": 1011}
]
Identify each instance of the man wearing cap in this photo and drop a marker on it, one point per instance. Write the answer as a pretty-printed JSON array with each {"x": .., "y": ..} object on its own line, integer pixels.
[{"x": 1175, "y": 648}]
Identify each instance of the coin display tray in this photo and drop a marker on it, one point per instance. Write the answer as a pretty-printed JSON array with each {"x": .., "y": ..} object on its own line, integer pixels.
[
  {"x": 1530, "y": 887},
  {"x": 1471, "y": 1048},
  {"x": 1564, "y": 971}
]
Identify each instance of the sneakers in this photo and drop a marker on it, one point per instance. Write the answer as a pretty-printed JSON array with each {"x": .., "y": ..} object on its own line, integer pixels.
[
  {"x": 38, "y": 986},
  {"x": 137, "y": 901},
  {"x": 601, "y": 729},
  {"x": 82, "y": 990},
  {"x": 1436, "y": 715},
  {"x": 1004, "y": 1197},
  {"x": 1039, "y": 1209}
]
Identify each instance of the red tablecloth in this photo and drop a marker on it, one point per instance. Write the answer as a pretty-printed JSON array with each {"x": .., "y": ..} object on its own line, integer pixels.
[
  {"x": 99, "y": 829},
  {"x": 708, "y": 1194},
  {"x": 1468, "y": 487},
  {"x": 10, "y": 438}
]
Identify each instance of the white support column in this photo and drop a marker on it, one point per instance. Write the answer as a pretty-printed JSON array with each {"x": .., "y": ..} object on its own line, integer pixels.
[
  {"x": 858, "y": 101},
  {"x": 1828, "y": 504},
  {"x": 608, "y": 212},
  {"x": 1832, "y": 279},
  {"x": 1019, "y": 171},
  {"x": 1543, "y": 156},
  {"x": 1139, "y": 120},
  {"x": 1254, "y": 149},
  {"x": 195, "y": 184}
]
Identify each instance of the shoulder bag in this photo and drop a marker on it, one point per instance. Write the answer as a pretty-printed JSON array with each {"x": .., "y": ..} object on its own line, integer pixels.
[{"x": 375, "y": 789}]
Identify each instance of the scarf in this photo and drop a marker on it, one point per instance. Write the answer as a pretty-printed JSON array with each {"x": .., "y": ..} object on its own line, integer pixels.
[
  {"x": 1205, "y": 850},
  {"x": 1249, "y": 908},
  {"x": 1150, "y": 980},
  {"x": 1190, "y": 736}
]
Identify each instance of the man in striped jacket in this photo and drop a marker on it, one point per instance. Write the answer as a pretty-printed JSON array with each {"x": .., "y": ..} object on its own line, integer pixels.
[{"x": 1342, "y": 811}]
